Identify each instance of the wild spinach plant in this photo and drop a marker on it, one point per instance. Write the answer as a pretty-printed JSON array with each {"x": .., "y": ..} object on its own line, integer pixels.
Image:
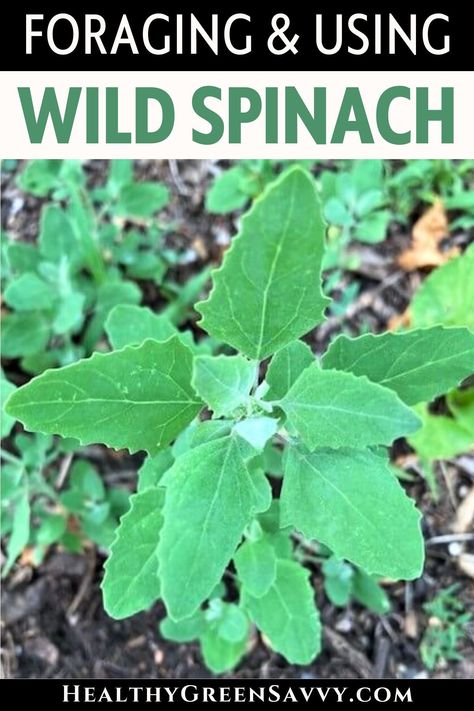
[{"x": 205, "y": 511}]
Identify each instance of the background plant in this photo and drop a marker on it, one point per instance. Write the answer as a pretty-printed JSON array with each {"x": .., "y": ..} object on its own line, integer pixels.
[
  {"x": 92, "y": 249},
  {"x": 446, "y": 624},
  {"x": 39, "y": 511}
]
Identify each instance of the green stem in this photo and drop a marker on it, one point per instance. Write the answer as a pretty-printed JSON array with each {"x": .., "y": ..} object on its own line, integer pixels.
[{"x": 9, "y": 457}]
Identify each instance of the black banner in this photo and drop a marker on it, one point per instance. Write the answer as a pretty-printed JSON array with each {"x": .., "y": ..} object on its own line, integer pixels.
[
  {"x": 426, "y": 36},
  {"x": 143, "y": 693}
]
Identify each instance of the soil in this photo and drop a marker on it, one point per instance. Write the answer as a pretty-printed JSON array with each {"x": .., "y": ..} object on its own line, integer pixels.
[{"x": 53, "y": 622}]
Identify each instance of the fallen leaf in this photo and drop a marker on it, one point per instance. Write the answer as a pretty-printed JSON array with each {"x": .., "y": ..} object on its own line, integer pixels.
[
  {"x": 27, "y": 557},
  {"x": 158, "y": 656},
  {"x": 465, "y": 514},
  {"x": 406, "y": 461},
  {"x": 411, "y": 625},
  {"x": 200, "y": 247},
  {"x": 466, "y": 564},
  {"x": 427, "y": 234},
  {"x": 399, "y": 321}
]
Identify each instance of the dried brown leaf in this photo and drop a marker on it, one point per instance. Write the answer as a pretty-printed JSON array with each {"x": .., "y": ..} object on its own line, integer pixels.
[
  {"x": 466, "y": 564},
  {"x": 399, "y": 321},
  {"x": 465, "y": 514},
  {"x": 427, "y": 235}
]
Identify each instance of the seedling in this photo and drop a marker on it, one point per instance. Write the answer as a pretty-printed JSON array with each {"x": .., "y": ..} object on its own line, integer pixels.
[
  {"x": 37, "y": 514},
  {"x": 234, "y": 188},
  {"x": 342, "y": 582},
  {"x": 91, "y": 245},
  {"x": 204, "y": 500},
  {"x": 448, "y": 618},
  {"x": 429, "y": 180},
  {"x": 355, "y": 205}
]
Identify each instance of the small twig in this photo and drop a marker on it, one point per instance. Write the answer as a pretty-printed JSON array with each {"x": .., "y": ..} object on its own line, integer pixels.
[
  {"x": 449, "y": 484},
  {"x": 382, "y": 653},
  {"x": 389, "y": 629},
  {"x": 357, "y": 660},
  {"x": 63, "y": 470},
  {"x": 84, "y": 586},
  {"x": 408, "y": 598},
  {"x": 306, "y": 545},
  {"x": 450, "y": 538},
  {"x": 174, "y": 170}
]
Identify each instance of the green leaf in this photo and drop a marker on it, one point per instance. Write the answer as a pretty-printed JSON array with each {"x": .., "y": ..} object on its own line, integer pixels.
[
  {"x": 336, "y": 409},
  {"x": 138, "y": 398},
  {"x": 337, "y": 581},
  {"x": 24, "y": 334},
  {"x": 201, "y": 432},
  {"x": 37, "y": 362},
  {"x": 178, "y": 309},
  {"x": 20, "y": 534},
  {"x": 273, "y": 457},
  {"x": 57, "y": 238},
  {"x": 461, "y": 404},
  {"x": 219, "y": 654},
  {"x": 285, "y": 368},
  {"x": 131, "y": 581},
  {"x": 120, "y": 174},
  {"x": 211, "y": 496},
  {"x": 184, "y": 630},
  {"x": 142, "y": 199},
  {"x": 153, "y": 469},
  {"x": 460, "y": 201},
  {"x": 223, "y": 382},
  {"x": 40, "y": 176},
  {"x": 84, "y": 477},
  {"x": 232, "y": 623},
  {"x": 440, "y": 437},
  {"x": 368, "y": 174},
  {"x": 256, "y": 430},
  {"x": 255, "y": 562},
  {"x": 287, "y": 615},
  {"x": 417, "y": 365},
  {"x": 373, "y": 228},
  {"x": 109, "y": 295},
  {"x": 226, "y": 194},
  {"x": 6, "y": 421},
  {"x": 336, "y": 213},
  {"x": 447, "y": 295},
  {"x": 351, "y": 501},
  {"x": 147, "y": 265},
  {"x": 369, "y": 201},
  {"x": 128, "y": 325},
  {"x": 22, "y": 257},
  {"x": 267, "y": 291},
  {"x": 29, "y": 293},
  {"x": 70, "y": 313},
  {"x": 368, "y": 592},
  {"x": 51, "y": 530}
]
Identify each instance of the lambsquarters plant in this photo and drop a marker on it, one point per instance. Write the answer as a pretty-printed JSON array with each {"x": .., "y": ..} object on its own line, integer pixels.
[{"x": 205, "y": 504}]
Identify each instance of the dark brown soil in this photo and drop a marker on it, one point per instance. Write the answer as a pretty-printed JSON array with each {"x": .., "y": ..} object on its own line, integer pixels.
[{"x": 53, "y": 622}]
